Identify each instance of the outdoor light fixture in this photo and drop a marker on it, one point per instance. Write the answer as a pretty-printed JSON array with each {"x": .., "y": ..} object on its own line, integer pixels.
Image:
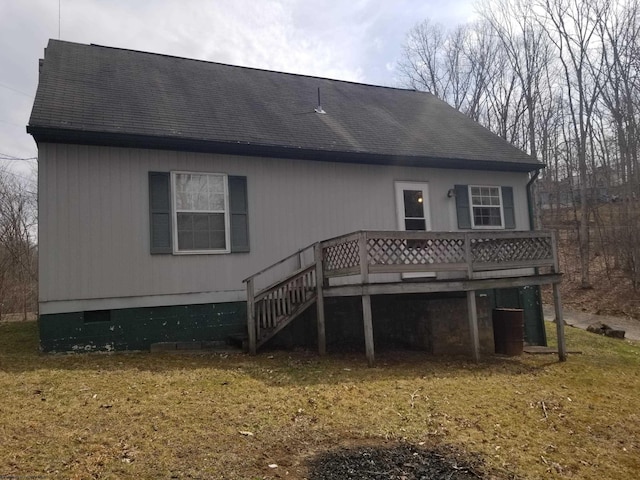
[{"x": 451, "y": 193}]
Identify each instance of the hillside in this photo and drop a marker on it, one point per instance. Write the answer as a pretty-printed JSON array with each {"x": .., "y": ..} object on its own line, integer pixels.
[{"x": 612, "y": 291}]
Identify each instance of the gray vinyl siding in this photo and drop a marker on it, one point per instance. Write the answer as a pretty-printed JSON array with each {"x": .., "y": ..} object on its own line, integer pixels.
[{"x": 94, "y": 216}]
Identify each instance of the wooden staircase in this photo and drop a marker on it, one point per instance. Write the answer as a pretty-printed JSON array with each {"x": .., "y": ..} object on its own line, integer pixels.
[{"x": 274, "y": 307}]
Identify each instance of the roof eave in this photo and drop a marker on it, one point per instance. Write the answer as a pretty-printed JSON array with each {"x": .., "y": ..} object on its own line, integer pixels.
[{"x": 62, "y": 135}]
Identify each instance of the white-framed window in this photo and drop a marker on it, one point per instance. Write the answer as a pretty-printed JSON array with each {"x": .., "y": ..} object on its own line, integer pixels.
[
  {"x": 486, "y": 206},
  {"x": 200, "y": 212}
]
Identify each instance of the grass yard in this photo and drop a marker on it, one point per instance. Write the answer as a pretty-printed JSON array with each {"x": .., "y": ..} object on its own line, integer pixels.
[{"x": 142, "y": 415}]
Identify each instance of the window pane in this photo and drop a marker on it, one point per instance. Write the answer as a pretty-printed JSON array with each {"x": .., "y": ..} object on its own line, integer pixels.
[
  {"x": 200, "y": 222},
  {"x": 182, "y": 200},
  {"x": 413, "y": 204},
  {"x": 216, "y": 221},
  {"x": 487, "y": 216},
  {"x": 201, "y": 231},
  {"x": 217, "y": 239},
  {"x": 185, "y": 222},
  {"x": 201, "y": 240},
  {"x": 185, "y": 240},
  {"x": 415, "y": 224},
  {"x": 216, "y": 201},
  {"x": 201, "y": 192}
]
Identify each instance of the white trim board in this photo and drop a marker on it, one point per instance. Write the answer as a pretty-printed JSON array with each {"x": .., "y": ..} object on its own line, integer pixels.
[{"x": 68, "y": 306}]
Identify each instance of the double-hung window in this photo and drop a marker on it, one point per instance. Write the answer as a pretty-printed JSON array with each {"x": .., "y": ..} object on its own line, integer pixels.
[
  {"x": 486, "y": 207},
  {"x": 201, "y": 212}
]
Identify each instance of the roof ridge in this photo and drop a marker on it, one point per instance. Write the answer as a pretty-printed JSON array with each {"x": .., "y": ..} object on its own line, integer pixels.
[{"x": 244, "y": 67}]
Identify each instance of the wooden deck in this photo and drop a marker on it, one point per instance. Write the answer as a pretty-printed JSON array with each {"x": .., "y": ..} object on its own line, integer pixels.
[{"x": 366, "y": 263}]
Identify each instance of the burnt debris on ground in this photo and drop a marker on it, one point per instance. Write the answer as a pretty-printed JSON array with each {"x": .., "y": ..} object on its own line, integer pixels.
[{"x": 399, "y": 462}]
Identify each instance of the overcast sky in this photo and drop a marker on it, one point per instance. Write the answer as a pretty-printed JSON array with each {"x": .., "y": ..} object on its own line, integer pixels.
[{"x": 356, "y": 40}]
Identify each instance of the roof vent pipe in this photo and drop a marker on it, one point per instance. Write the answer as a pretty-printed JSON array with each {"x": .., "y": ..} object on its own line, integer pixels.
[{"x": 319, "y": 109}]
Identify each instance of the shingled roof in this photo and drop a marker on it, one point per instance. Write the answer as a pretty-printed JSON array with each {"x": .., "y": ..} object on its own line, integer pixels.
[{"x": 92, "y": 94}]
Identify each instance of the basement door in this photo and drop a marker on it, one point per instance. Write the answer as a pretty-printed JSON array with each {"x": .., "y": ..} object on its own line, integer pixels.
[{"x": 412, "y": 203}]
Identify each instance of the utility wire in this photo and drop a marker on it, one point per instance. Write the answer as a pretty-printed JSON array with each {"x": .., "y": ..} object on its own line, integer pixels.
[
  {"x": 6, "y": 156},
  {"x": 17, "y": 91}
]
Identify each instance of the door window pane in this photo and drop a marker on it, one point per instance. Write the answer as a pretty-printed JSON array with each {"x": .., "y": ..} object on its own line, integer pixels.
[
  {"x": 413, "y": 204},
  {"x": 415, "y": 224}
]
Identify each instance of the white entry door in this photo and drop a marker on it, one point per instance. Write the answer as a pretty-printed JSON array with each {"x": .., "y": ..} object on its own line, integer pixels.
[{"x": 412, "y": 203}]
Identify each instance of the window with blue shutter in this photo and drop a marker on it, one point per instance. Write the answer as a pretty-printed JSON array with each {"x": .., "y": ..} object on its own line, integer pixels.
[
  {"x": 160, "y": 212},
  {"x": 462, "y": 206},
  {"x": 210, "y": 216},
  {"x": 508, "y": 208},
  {"x": 484, "y": 207},
  {"x": 239, "y": 210}
]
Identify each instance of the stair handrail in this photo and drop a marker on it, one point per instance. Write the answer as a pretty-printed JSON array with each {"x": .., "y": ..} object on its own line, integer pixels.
[
  {"x": 274, "y": 286},
  {"x": 280, "y": 262},
  {"x": 252, "y": 294}
]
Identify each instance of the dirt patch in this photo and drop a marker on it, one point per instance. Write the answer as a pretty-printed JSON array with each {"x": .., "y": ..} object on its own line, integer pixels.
[{"x": 401, "y": 462}]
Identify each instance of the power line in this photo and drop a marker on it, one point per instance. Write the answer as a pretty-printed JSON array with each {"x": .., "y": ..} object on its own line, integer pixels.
[
  {"x": 11, "y": 158},
  {"x": 17, "y": 91}
]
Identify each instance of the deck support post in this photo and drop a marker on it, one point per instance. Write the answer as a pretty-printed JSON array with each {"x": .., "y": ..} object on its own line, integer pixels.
[
  {"x": 557, "y": 303},
  {"x": 473, "y": 325},
  {"x": 368, "y": 329},
  {"x": 366, "y": 299},
  {"x": 251, "y": 317},
  {"x": 322, "y": 338}
]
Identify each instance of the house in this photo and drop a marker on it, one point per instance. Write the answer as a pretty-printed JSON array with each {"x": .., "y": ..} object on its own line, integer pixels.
[{"x": 166, "y": 184}]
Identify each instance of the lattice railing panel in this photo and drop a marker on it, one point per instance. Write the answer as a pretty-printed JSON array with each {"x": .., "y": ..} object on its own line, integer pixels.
[
  {"x": 503, "y": 250},
  {"x": 341, "y": 256},
  {"x": 397, "y": 251}
]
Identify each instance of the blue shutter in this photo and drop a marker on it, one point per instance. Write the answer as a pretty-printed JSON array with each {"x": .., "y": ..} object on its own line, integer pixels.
[
  {"x": 160, "y": 212},
  {"x": 239, "y": 211},
  {"x": 507, "y": 207},
  {"x": 463, "y": 209}
]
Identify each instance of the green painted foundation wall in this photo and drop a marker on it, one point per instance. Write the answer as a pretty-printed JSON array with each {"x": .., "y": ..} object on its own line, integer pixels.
[
  {"x": 397, "y": 321},
  {"x": 138, "y": 328}
]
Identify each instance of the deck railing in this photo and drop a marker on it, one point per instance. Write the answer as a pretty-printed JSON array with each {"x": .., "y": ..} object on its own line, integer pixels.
[
  {"x": 362, "y": 253},
  {"x": 402, "y": 252}
]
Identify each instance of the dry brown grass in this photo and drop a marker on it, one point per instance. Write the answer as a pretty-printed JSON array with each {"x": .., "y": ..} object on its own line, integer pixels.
[{"x": 141, "y": 415}]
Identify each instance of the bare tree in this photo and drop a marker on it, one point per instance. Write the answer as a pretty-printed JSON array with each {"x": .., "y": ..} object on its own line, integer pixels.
[
  {"x": 455, "y": 65},
  {"x": 422, "y": 66},
  {"x": 572, "y": 25},
  {"x": 527, "y": 48},
  {"x": 18, "y": 275},
  {"x": 620, "y": 37}
]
